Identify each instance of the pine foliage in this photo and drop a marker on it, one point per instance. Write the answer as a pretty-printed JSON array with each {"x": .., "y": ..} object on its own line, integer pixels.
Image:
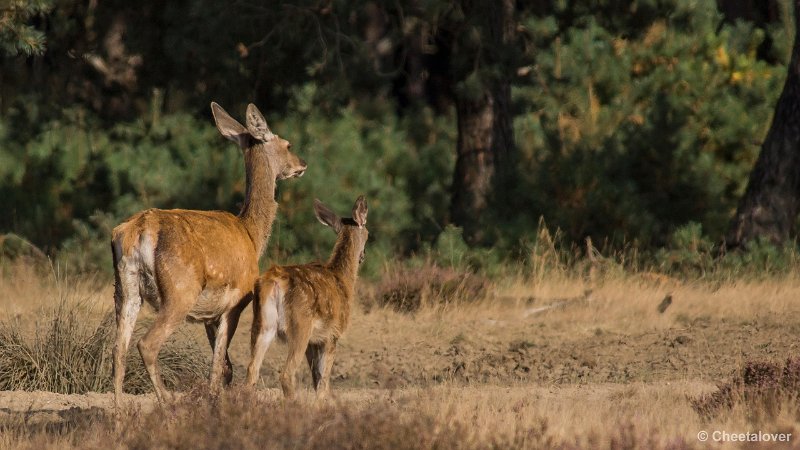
[{"x": 17, "y": 35}]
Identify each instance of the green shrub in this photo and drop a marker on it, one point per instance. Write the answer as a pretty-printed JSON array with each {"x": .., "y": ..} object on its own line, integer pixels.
[
  {"x": 688, "y": 252},
  {"x": 348, "y": 155},
  {"x": 691, "y": 254},
  {"x": 73, "y": 182},
  {"x": 762, "y": 259}
]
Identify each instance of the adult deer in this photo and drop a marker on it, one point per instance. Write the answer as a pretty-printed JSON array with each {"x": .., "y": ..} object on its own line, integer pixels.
[
  {"x": 199, "y": 264},
  {"x": 309, "y": 305}
]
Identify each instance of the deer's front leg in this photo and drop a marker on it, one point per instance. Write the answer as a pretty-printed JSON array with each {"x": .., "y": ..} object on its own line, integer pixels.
[
  {"x": 326, "y": 357},
  {"x": 211, "y": 333},
  {"x": 220, "y": 355}
]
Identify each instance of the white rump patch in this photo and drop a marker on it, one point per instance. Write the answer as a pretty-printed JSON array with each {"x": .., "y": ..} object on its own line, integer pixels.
[{"x": 147, "y": 252}]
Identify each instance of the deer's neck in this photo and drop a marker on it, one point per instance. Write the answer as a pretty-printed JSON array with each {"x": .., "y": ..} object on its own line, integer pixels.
[
  {"x": 259, "y": 209},
  {"x": 344, "y": 260}
]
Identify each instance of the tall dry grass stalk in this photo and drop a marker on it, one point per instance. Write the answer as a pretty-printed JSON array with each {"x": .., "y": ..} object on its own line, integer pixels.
[
  {"x": 64, "y": 355},
  {"x": 57, "y": 335},
  {"x": 27, "y": 286}
]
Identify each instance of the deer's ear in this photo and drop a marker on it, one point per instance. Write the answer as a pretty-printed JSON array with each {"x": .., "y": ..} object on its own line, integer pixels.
[
  {"x": 257, "y": 125},
  {"x": 229, "y": 127},
  {"x": 360, "y": 211},
  {"x": 327, "y": 217}
]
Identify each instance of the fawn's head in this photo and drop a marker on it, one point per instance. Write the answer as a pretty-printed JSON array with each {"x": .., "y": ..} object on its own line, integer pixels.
[
  {"x": 257, "y": 137},
  {"x": 354, "y": 229}
]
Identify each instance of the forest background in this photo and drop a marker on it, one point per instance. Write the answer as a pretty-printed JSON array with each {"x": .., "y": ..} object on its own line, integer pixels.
[{"x": 475, "y": 129}]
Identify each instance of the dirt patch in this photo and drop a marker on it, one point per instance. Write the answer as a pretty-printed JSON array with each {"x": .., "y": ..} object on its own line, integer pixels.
[
  {"x": 50, "y": 409},
  {"x": 532, "y": 351}
]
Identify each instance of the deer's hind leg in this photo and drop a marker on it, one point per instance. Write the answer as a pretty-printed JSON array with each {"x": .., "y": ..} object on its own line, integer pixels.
[
  {"x": 177, "y": 299},
  {"x": 127, "y": 302}
]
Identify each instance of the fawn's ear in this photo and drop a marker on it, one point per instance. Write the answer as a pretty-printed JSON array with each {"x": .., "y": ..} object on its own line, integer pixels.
[
  {"x": 327, "y": 217},
  {"x": 360, "y": 211},
  {"x": 257, "y": 125},
  {"x": 229, "y": 127}
]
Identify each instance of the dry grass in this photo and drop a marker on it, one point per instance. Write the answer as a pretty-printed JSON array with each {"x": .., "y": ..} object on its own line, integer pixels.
[
  {"x": 63, "y": 356},
  {"x": 535, "y": 364},
  {"x": 429, "y": 286},
  {"x": 443, "y": 417},
  {"x": 590, "y": 417},
  {"x": 32, "y": 288},
  {"x": 58, "y": 336},
  {"x": 761, "y": 390},
  {"x": 630, "y": 302}
]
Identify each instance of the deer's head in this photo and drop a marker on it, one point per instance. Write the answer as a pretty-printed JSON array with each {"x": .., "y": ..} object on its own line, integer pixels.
[
  {"x": 354, "y": 229},
  {"x": 257, "y": 137}
]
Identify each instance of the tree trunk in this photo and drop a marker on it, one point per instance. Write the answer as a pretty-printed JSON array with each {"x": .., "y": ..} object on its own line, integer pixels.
[
  {"x": 485, "y": 134},
  {"x": 769, "y": 207}
]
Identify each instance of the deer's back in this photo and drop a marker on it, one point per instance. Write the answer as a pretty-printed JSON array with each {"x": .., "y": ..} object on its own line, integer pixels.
[
  {"x": 311, "y": 292},
  {"x": 212, "y": 247}
]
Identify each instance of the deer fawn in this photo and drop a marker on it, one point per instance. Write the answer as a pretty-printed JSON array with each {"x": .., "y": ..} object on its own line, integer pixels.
[
  {"x": 200, "y": 264},
  {"x": 309, "y": 305}
]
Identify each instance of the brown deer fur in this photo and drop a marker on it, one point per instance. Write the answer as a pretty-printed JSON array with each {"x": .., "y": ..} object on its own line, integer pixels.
[
  {"x": 309, "y": 305},
  {"x": 199, "y": 264}
]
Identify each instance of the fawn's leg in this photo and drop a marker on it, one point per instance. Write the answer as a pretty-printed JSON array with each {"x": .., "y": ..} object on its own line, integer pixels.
[
  {"x": 265, "y": 326},
  {"x": 297, "y": 336},
  {"x": 326, "y": 361},
  {"x": 314, "y": 356}
]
